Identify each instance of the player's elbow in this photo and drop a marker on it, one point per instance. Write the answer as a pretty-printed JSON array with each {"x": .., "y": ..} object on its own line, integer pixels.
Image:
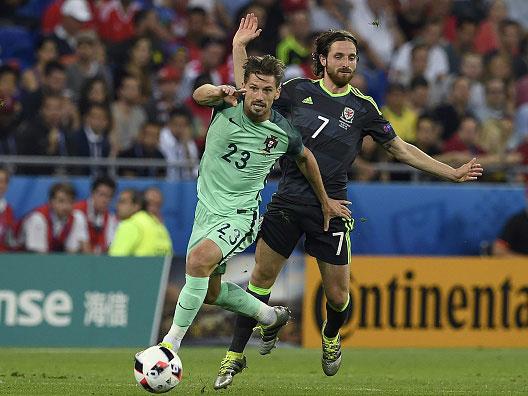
[
  {"x": 403, "y": 152},
  {"x": 201, "y": 95},
  {"x": 198, "y": 96}
]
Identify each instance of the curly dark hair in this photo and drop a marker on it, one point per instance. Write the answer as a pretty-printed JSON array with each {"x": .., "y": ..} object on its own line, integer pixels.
[
  {"x": 322, "y": 46},
  {"x": 266, "y": 65}
]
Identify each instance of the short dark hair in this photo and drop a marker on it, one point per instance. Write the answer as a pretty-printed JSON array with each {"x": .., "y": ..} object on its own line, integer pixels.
[
  {"x": 468, "y": 116},
  {"x": 507, "y": 23},
  {"x": 204, "y": 78},
  {"x": 8, "y": 69},
  {"x": 417, "y": 47},
  {"x": 323, "y": 42},
  {"x": 465, "y": 20},
  {"x": 210, "y": 40},
  {"x": 103, "y": 181},
  {"x": 42, "y": 40},
  {"x": 266, "y": 65},
  {"x": 138, "y": 197},
  {"x": 418, "y": 81},
  {"x": 52, "y": 66},
  {"x": 66, "y": 188},
  {"x": 181, "y": 111},
  {"x": 395, "y": 86},
  {"x": 149, "y": 123},
  {"x": 99, "y": 106},
  {"x": 197, "y": 10}
]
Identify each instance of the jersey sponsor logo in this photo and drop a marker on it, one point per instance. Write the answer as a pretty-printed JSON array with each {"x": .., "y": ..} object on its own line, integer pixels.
[
  {"x": 270, "y": 143},
  {"x": 308, "y": 100}
]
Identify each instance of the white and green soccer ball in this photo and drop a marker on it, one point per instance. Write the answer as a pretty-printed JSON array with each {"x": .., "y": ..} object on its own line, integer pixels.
[{"x": 158, "y": 369}]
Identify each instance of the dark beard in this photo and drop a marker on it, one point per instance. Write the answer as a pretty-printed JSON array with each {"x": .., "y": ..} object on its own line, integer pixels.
[{"x": 337, "y": 79}]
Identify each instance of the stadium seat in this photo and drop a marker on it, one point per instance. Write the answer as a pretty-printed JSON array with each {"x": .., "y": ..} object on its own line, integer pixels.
[
  {"x": 32, "y": 9},
  {"x": 16, "y": 43}
]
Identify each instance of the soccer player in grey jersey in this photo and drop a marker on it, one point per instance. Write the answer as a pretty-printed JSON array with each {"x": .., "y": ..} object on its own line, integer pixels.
[{"x": 333, "y": 118}]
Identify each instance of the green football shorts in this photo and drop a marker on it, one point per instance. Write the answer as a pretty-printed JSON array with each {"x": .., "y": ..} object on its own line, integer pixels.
[{"x": 232, "y": 234}]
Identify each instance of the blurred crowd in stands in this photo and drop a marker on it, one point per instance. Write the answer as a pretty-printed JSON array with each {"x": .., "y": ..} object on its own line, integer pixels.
[{"x": 114, "y": 78}]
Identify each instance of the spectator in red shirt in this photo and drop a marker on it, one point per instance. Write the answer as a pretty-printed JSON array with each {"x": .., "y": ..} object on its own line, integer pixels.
[
  {"x": 7, "y": 218},
  {"x": 116, "y": 20},
  {"x": 465, "y": 138},
  {"x": 55, "y": 226},
  {"x": 75, "y": 13},
  {"x": 211, "y": 63},
  {"x": 101, "y": 223},
  {"x": 487, "y": 38}
]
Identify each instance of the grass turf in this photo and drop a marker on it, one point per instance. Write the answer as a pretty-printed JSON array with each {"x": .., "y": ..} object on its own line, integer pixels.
[{"x": 287, "y": 371}]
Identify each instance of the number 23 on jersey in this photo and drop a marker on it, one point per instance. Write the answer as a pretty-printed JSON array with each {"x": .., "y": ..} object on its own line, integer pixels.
[{"x": 240, "y": 162}]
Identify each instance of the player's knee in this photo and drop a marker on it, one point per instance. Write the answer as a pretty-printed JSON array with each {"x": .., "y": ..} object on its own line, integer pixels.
[
  {"x": 198, "y": 264},
  {"x": 337, "y": 298}
]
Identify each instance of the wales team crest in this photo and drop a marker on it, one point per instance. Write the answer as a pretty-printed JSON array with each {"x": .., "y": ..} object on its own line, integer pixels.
[
  {"x": 270, "y": 143},
  {"x": 348, "y": 115}
]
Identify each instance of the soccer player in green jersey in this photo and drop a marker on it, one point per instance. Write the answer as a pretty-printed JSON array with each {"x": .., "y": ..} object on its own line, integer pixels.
[{"x": 244, "y": 140}]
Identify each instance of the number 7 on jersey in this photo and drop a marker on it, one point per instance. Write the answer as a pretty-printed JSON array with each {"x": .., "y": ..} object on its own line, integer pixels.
[{"x": 325, "y": 122}]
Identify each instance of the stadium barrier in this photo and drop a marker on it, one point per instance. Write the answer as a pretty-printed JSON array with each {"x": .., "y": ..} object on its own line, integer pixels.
[
  {"x": 426, "y": 302},
  {"x": 391, "y": 219},
  {"x": 64, "y": 300}
]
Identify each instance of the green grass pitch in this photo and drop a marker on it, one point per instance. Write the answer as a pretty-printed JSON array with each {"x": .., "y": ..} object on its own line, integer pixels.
[{"x": 287, "y": 371}]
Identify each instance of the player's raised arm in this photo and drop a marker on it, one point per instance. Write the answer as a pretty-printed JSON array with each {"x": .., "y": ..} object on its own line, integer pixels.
[
  {"x": 247, "y": 31},
  {"x": 413, "y": 156},
  {"x": 211, "y": 95},
  {"x": 331, "y": 207}
]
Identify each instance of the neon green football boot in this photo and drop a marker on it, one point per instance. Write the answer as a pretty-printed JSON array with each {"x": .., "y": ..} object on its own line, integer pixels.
[
  {"x": 232, "y": 364},
  {"x": 331, "y": 359}
]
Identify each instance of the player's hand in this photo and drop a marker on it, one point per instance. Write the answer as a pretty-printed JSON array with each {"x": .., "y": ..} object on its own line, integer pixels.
[
  {"x": 468, "y": 172},
  {"x": 248, "y": 30},
  {"x": 230, "y": 94},
  {"x": 335, "y": 208}
]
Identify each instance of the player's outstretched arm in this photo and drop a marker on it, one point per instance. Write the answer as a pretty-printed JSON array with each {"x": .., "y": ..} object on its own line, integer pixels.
[
  {"x": 247, "y": 31},
  {"x": 211, "y": 95},
  {"x": 331, "y": 207},
  {"x": 413, "y": 156}
]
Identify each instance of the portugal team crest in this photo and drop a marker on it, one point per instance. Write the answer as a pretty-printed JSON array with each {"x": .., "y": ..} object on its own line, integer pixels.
[
  {"x": 348, "y": 115},
  {"x": 270, "y": 143}
]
